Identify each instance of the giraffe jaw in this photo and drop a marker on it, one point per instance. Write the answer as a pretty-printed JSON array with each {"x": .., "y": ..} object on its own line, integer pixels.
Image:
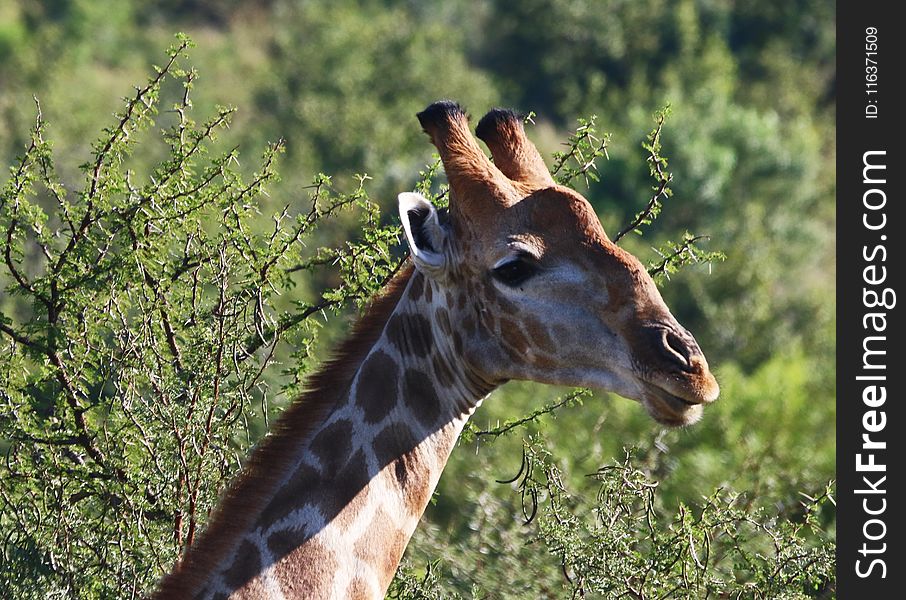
[{"x": 669, "y": 409}]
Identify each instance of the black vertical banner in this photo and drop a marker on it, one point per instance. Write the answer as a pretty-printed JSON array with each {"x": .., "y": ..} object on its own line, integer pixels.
[{"x": 871, "y": 425}]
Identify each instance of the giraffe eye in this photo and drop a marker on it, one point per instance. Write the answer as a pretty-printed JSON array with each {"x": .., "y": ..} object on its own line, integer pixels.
[{"x": 514, "y": 272}]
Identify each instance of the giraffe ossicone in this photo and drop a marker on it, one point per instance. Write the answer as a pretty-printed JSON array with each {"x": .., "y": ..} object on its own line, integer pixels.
[{"x": 517, "y": 281}]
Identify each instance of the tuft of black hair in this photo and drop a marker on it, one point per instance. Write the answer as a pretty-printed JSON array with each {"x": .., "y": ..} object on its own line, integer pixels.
[
  {"x": 489, "y": 123},
  {"x": 440, "y": 112}
]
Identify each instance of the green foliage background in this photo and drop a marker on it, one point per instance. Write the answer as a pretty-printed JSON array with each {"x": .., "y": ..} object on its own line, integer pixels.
[{"x": 750, "y": 141}]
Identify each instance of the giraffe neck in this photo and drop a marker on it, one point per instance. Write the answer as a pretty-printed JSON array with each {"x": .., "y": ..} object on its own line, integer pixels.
[{"x": 343, "y": 511}]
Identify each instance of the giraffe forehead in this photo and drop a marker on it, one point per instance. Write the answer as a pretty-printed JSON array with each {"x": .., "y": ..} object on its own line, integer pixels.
[
  {"x": 564, "y": 217},
  {"x": 548, "y": 220},
  {"x": 567, "y": 225}
]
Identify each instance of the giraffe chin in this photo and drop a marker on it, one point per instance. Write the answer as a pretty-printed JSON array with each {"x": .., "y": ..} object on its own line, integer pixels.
[{"x": 673, "y": 411}]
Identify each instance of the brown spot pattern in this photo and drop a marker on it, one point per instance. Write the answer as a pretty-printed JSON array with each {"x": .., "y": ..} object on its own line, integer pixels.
[
  {"x": 377, "y": 390},
  {"x": 395, "y": 332},
  {"x": 457, "y": 342},
  {"x": 489, "y": 321},
  {"x": 514, "y": 338},
  {"x": 468, "y": 324},
  {"x": 281, "y": 543},
  {"x": 411, "y": 334},
  {"x": 358, "y": 590},
  {"x": 538, "y": 333},
  {"x": 442, "y": 373},
  {"x": 470, "y": 287},
  {"x": 395, "y": 440},
  {"x": 347, "y": 483},
  {"x": 396, "y": 445},
  {"x": 420, "y": 335},
  {"x": 421, "y": 397},
  {"x": 416, "y": 488},
  {"x": 333, "y": 445},
  {"x": 307, "y": 571},
  {"x": 416, "y": 285},
  {"x": 299, "y": 490},
  {"x": 246, "y": 565},
  {"x": 382, "y": 546},
  {"x": 354, "y": 507},
  {"x": 443, "y": 320}
]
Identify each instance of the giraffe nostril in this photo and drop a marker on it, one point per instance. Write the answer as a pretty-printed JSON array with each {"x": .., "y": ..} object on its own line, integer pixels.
[{"x": 678, "y": 349}]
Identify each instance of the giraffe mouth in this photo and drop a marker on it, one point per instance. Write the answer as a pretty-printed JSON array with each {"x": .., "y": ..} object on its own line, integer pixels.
[{"x": 669, "y": 409}]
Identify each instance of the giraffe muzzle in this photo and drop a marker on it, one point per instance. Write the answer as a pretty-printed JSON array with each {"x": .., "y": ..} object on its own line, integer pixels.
[{"x": 678, "y": 390}]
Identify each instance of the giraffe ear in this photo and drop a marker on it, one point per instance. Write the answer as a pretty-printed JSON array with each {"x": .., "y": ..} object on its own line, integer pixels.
[{"x": 424, "y": 233}]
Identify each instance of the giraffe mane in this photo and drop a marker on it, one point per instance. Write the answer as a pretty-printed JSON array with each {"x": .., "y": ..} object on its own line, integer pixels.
[{"x": 244, "y": 498}]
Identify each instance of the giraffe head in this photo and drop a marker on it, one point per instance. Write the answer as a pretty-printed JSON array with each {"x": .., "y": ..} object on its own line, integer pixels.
[{"x": 532, "y": 284}]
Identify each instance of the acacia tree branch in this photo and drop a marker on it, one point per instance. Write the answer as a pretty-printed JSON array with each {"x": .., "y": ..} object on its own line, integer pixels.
[
  {"x": 84, "y": 437},
  {"x": 687, "y": 244},
  {"x": 20, "y": 338},
  {"x": 657, "y": 163},
  {"x": 646, "y": 214},
  {"x": 118, "y": 132},
  {"x": 571, "y": 398}
]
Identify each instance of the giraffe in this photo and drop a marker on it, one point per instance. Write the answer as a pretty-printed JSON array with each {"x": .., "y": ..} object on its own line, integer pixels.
[{"x": 518, "y": 280}]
